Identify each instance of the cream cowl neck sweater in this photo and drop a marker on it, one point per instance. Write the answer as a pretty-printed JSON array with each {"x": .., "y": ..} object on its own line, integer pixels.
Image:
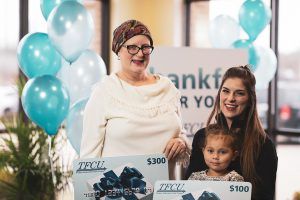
[{"x": 121, "y": 119}]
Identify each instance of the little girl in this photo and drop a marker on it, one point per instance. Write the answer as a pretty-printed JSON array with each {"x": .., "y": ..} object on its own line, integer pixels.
[{"x": 220, "y": 148}]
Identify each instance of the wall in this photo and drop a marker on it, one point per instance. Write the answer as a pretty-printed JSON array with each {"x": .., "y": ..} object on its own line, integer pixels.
[{"x": 163, "y": 18}]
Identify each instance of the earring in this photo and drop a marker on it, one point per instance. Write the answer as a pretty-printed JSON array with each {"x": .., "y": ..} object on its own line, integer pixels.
[{"x": 118, "y": 57}]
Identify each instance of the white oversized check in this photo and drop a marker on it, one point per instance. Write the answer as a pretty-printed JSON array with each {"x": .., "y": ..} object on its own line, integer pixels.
[
  {"x": 118, "y": 178},
  {"x": 202, "y": 190}
]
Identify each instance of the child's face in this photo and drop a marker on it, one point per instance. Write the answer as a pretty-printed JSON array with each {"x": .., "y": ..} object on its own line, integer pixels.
[{"x": 218, "y": 154}]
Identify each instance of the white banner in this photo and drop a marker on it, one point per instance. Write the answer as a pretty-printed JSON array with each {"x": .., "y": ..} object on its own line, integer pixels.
[{"x": 197, "y": 73}]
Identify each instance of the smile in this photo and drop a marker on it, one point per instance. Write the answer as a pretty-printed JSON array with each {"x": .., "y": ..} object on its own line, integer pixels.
[
  {"x": 231, "y": 106},
  {"x": 138, "y": 61}
]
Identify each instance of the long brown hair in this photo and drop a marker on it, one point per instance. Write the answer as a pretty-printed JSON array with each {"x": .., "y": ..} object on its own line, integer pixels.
[{"x": 254, "y": 134}]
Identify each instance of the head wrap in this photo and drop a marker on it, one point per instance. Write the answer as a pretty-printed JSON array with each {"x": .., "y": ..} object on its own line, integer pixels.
[{"x": 126, "y": 31}]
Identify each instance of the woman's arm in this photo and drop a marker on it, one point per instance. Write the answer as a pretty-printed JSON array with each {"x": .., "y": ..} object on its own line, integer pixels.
[
  {"x": 266, "y": 170},
  {"x": 178, "y": 147},
  {"x": 94, "y": 123}
]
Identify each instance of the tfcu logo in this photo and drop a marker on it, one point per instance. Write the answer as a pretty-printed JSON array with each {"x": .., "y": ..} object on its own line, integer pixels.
[
  {"x": 91, "y": 166},
  {"x": 171, "y": 188}
]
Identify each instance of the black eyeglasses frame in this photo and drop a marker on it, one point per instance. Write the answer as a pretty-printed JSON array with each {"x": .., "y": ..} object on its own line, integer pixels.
[{"x": 142, "y": 48}]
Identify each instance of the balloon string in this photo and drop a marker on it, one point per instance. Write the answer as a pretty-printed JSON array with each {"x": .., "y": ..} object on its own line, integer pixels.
[{"x": 51, "y": 161}]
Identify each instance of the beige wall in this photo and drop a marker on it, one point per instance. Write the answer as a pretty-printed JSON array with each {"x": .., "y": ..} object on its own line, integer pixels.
[
  {"x": 162, "y": 17},
  {"x": 94, "y": 8}
]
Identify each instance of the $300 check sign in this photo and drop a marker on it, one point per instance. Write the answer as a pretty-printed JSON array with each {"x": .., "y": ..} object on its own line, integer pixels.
[
  {"x": 134, "y": 177},
  {"x": 156, "y": 160}
]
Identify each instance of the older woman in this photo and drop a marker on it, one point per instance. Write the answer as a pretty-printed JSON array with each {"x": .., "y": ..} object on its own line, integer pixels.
[
  {"x": 133, "y": 112},
  {"x": 235, "y": 107}
]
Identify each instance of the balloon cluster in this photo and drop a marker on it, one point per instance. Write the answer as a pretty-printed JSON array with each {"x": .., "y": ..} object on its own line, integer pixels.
[
  {"x": 60, "y": 68},
  {"x": 254, "y": 16}
]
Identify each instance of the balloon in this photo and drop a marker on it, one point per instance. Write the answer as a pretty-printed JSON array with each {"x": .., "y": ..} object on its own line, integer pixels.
[
  {"x": 79, "y": 77},
  {"x": 70, "y": 28},
  {"x": 223, "y": 31},
  {"x": 37, "y": 56},
  {"x": 48, "y": 5},
  {"x": 266, "y": 67},
  {"x": 74, "y": 124},
  {"x": 254, "y": 17},
  {"x": 253, "y": 58},
  {"x": 46, "y": 102}
]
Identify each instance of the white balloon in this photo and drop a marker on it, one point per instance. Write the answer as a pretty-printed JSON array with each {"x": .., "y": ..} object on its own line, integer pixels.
[
  {"x": 223, "y": 31},
  {"x": 70, "y": 28},
  {"x": 80, "y": 76},
  {"x": 266, "y": 67}
]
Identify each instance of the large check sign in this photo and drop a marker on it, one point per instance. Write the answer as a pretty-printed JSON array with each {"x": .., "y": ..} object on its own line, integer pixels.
[
  {"x": 125, "y": 177},
  {"x": 202, "y": 190},
  {"x": 197, "y": 73}
]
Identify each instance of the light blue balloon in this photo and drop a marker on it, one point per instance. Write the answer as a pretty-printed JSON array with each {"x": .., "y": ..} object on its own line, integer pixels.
[
  {"x": 223, "y": 31},
  {"x": 37, "y": 56},
  {"x": 80, "y": 77},
  {"x": 48, "y": 5},
  {"x": 74, "y": 122},
  {"x": 253, "y": 58},
  {"x": 70, "y": 27},
  {"x": 46, "y": 101},
  {"x": 254, "y": 17}
]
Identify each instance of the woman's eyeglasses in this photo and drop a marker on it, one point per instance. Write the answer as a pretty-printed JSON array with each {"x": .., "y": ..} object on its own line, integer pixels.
[{"x": 133, "y": 49}]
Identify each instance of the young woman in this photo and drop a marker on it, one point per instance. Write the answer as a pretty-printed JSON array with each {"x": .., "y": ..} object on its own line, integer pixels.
[{"x": 235, "y": 107}]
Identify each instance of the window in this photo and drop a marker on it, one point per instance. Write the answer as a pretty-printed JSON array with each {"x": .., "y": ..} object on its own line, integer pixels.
[
  {"x": 203, "y": 12},
  {"x": 288, "y": 106},
  {"x": 9, "y": 38}
]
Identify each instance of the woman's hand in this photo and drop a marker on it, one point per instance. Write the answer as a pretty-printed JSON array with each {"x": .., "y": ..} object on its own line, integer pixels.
[{"x": 174, "y": 147}]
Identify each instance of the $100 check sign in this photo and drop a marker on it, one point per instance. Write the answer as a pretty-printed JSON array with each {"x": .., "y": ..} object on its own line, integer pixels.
[
  {"x": 204, "y": 190},
  {"x": 124, "y": 177}
]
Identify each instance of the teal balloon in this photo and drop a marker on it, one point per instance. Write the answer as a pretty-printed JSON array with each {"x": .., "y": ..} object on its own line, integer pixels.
[
  {"x": 254, "y": 16},
  {"x": 70, "y": 27},
  {"x": 74, "y": 122},
  {"x": 48, "y": 5},
  {"x": 37, "y": 56},
  {"x": 253, "y": 57},
  {"x": 46, "y": 101}
]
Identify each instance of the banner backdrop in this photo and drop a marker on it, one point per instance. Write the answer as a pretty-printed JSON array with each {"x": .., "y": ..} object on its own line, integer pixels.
[{"x": 197, "y": 73}]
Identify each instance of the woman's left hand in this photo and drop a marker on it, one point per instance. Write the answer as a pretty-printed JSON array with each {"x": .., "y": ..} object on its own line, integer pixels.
[{"x": 174, "y": 147}]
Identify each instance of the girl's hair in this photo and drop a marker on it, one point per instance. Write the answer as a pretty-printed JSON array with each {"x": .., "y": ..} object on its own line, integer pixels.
[
  {"x": 254, "y": 134},
  {"x": 231, "y": 135}
]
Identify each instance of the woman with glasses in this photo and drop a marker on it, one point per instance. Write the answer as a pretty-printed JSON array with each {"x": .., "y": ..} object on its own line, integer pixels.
[{"x": 133, "y": 112}]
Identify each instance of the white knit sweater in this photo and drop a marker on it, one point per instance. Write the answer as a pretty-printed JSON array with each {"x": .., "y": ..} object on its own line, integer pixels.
[{"x": 121, "y": 119}]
